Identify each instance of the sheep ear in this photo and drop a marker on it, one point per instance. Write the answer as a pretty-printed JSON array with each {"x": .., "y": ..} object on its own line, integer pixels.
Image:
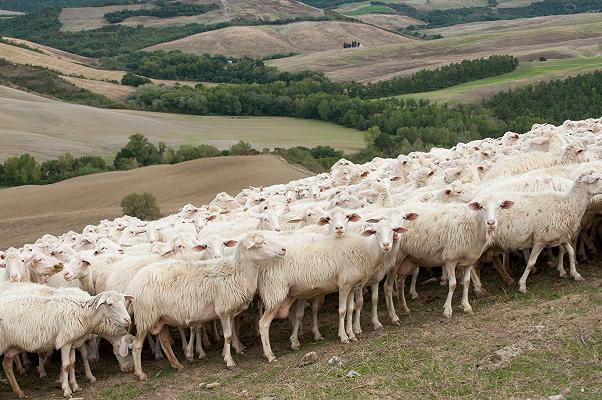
[
  {"x": 249, "y": 244},
  {"x": 124, "y": 348},
  {"x": 294, "y": 220},
  {"x": 200, "y": 247},
  {"x": 211, "y": 217},
  {"x": 374, "y": 220},
  {"x": 364, "y": 174},
  {"x": 431, "y": 173},
  {"x": 541, "y": 140},
  {"x": 354, "y": 217},
  {"x": 368, "y": 232},
  {"x": 128, "y": 297},
  {"x": 230, "y": 243},
  {"x": 395, "y": 178},
  {"x": 400, "y": 229},
  {"x": 507, "y": 204},
  {"x": 475, "y": 206},
  {"x": 447, "y": 192},
  {"x": 589, "y": 179},
  {"x": 410, "y": 216},
  {"x": 323, "y": 221}
]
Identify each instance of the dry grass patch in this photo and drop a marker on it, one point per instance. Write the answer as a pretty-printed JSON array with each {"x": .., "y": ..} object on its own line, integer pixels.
[
  {"x": 300, "y": 37},
  {"x": 82, "y": 18},
  {"x": 390, "y": 21}
]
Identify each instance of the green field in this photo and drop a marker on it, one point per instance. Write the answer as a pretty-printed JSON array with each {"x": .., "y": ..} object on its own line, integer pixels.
[
  {"x": 526, "y": 73},
  {"x": 371, "y": 10}
]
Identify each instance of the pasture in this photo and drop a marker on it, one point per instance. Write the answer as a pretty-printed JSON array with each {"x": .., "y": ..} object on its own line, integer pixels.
[
  {"x": 389, "y": 21},
  {"x": 528, "y": 72},
  {"x": 47, "y": 128},
  {"x": 77, "y": 202},
  {"x": 555, "y": 37},
  {"x": 299, "y": 37}
]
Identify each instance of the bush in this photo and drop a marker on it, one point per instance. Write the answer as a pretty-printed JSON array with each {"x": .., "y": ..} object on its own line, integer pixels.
[
  {"x": 542, "y": 58},
  {"x": 130, "y": 79},
  {"x": 141, "y": 205}
]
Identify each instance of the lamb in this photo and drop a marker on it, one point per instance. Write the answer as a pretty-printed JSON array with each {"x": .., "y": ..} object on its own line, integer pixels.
[
  {"x": 69, "y": 320},
  {"x": 185, "y": 294},
  {"x": 546, "y": 220}
]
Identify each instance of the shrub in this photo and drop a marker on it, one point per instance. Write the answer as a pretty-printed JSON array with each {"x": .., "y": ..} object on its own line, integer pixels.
[
  {"x": 130, "y": 79},
  {"x": 141, "y": 205}
]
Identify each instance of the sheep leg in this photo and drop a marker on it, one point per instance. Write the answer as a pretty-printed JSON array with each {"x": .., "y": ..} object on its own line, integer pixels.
[
  {"x": 502, "y": 271},
  {"x": 26, "y": 360},
  {"x": 506, "y": 263},
  {"x": 7, "y": 365},
  {"x": 200, "y": 334},
  {"x": 83, "y": 351},
  {"x": 65, "y": 367},
  {"x": 357, "y": 304},
  {"x": 444, "y": 277},
  {"x": 189, "y": 350},
  {"x": 157, "y": 349},
  {"x": 20, "y": 368},
  {"x": 236, "y": 343},
  {"x": 572, "y": 262},
  {"x": 216, "y": 336},
  {"x": 206, "y": 343},
  {"x": 450, "y": 267},
  {"x": 165, "y": 341},
  {"x": 476, "y": 279},
  {"x": 137, "y": 355},
  {"x": 350, "y": 313},
  {"x": 184, "y": 340},
  {"x": 226, "y": 321},
  {"x": 465, "y": 304},
  {"x": 264, "y": 331},
  {"x": 589, "y": 243},
  {"x": 315, "y": 307},
  {"x": 413, "y": 292},
  {"x": 72, "y": 380},
  {"x": 375, "y": 322},
  {"x": 343, "y": 296},
  {"x": 42, "y": 364},
  {"x": 298, "y": 320},
  {"x": 401, "y": 297},
  {"x": 522, "y": 283},
  {"x": 560, "y": 266},
  {"x": 389, "y": 283}
]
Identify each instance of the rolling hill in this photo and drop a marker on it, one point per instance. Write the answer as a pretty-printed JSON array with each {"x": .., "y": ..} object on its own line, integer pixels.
[
  {"x": 70, "y": 205},
  {"x": 47, "y": 128},
  {"x": 555, "y": 37},
  {"x": 300, "y": 37}
]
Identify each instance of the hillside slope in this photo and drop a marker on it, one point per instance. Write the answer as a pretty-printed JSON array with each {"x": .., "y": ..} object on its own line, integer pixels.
[
  {"x": 300, "y": 37},
  {"x": 47, "y": 128},
  {"x": 70, "y": 205}
]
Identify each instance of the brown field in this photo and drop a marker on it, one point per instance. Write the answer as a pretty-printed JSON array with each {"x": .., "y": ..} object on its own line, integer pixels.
[
  {"x": 111, "y": 90},
  {"x": 70, "y": 205},
  {"x": 300, "y": 37},
  {"x": 389, "y": 21},
  {"x": 47, "y": 128},
  {"x": 555, "y": 332},
  {"x": 561, "y": 37},
  {"x": 92, "y": 17}
]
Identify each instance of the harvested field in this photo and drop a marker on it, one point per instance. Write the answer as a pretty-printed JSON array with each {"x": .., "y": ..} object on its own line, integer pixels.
[
  {"x": 111, "y": 90},
  {"x": 300, "y": 37},
  {"x": 92, "y": 17},
  {"x": 390, "y": 21},
  {"x": 566, "y": 36},
  {"x": 554, "y": 330},
  {"x": 74, "y": 203},
  {"x": 47, "y": 128}
]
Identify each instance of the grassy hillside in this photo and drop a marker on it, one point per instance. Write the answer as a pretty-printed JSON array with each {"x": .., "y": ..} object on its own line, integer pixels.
[
  {"x": 48, "y": 128},
  {"x": 526, "y": 73},
  {"x": 554, "y": 37},
  {"x": 74, "y": 203},
  {"x": 300, "y": 37}
]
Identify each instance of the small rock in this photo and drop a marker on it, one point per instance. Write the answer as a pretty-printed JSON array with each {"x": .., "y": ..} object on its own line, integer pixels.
[
  {"x": 212, "y": 385},
  {"x": 202, "y": 384},
  {"x": 352, "y": 374},
  {"x": 335, "y": 362},
  {"x": 268, "y": 398},
  {"x": 535, "y": 329},
  {"x": 309, "y": 358},
  {"x": 556, "y": 397}
]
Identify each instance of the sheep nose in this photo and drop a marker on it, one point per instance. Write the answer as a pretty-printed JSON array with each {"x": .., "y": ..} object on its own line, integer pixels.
[
  {"x": 338, "y": 228},
  {"x": 127, "y": 322},
  {"x": 277, "y": 229},
  {"x": 67, "y": 275},
  {"x": 15, "y": 277},
  {"x": 491, "y": 222}
]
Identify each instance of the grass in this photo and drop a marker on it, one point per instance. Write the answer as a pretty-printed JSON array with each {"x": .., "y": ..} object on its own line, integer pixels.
[
  {"x": 526, "y": 73},
  {"x": 428, "y": 356},
  {"x": 377, "y": 9}
]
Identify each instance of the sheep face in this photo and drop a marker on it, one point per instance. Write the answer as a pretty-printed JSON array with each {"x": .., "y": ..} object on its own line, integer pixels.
[
  {"x": 76, "y": 268},
  {"x": 14, "y": 263},
  {"x": 338, "y": 220},
  {"x": 260, "y": 248},
  {"x": 489, "y": 207},
  {"x": 214, "y": 248},
  {"x": 593, "y": 182},
  {"x": 112, "y": 305}
]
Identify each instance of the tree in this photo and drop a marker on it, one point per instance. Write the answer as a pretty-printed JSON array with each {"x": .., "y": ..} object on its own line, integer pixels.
[
  {"x": 141, "y": 150},
  {"x": 130, "y": 79},
  {"x": 22, "y": 170},
  {"x": 141, "y": 205},
  {"x": 242, "y": 149}
]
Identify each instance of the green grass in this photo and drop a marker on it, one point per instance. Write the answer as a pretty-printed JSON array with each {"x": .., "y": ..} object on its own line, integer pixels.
[
  {"x": 371, "y": 10},
  {"x": 526, "y": 73}
]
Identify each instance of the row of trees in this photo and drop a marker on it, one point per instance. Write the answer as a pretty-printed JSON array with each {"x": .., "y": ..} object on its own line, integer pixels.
[
  {"x": 163, "y": 10},
  {"x": 352, "y": 44},
  {"x": 184, "y": 66},
  {"x": 28, "y": 6}
]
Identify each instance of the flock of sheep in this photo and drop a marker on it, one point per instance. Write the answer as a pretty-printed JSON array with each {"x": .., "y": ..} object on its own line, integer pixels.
[{"x": 278, "y": 250}]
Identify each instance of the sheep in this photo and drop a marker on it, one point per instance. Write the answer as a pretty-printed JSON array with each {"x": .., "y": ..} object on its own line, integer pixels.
[
  {"x": 185, "y": 294},
  {"x": 545, "y": 220},
  {"x": 68, "y": 321}
]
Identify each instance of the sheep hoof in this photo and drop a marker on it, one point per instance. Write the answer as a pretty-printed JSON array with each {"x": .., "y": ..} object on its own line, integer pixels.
[
  {"x": 467, "y": 309},
  {"x": 406, "y": 311},
  {"x": 447, "y": 313},
  {"x": 21, "y": 371},
  {"x": 142, "y": 377},
  {"x": 562, "y": 275},
  {"x": 21, "y": 395},
  {"x": 67, "y": 393},
  {"x": 271, "y": 358},
  {"x": 158, "y": 357},
  {"x": 189, "y": 358},
  {"x": 578, "y": 277},
  {"x": 345, "y": 341},
  {"x": 414, "y": 295},
  {"x": 396, "y": 322},
  {"x": 378, "y": 326},
  {"x": 318, "y": 337},
  {"x": 231, "y": 366},
  {"x": 522, "y": 289},
  {"x": 353, "y": 338},
  {"x": 91, "y": 379},
  {"x": 178, "y": 367},
  {"x": 76, "y": 388},
  {"x": 509, "y": 282},
  {"x": 295, "y": 345}
]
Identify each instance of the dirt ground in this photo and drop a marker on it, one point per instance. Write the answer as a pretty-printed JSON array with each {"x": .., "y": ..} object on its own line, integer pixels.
[{"x": 514, "y": 346}]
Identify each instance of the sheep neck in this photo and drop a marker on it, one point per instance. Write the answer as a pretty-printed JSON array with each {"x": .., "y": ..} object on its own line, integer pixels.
[
  {"x": 579, "y": 196},
  {"x": 246, "y": 266}
]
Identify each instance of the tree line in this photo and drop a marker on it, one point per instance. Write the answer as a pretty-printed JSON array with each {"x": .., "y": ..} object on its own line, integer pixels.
[
  {"x": 164, "y": 10},
  {"x": 140, "y": 152},
  {"x": 28, "y": 6}
]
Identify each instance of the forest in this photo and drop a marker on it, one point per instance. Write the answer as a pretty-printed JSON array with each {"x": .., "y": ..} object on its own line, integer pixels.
[
  {"x": 163, "y": 10},
  {"x": 28, "y": 6}
]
